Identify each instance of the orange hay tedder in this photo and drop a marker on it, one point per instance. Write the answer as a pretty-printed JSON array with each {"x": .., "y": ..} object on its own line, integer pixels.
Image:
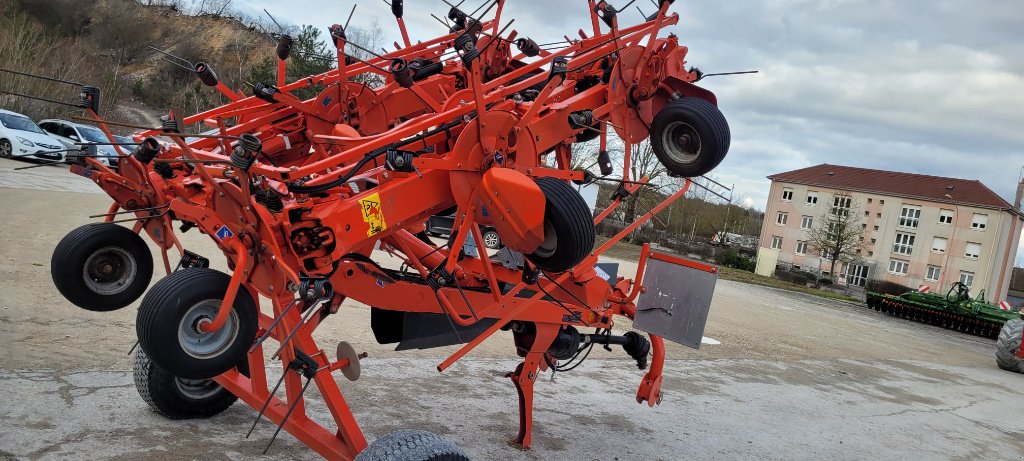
[{"x": 301, "y": 195}]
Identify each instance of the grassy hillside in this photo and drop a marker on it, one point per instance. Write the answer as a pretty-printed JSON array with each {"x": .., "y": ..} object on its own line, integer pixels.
[{"x": 104, "y": 43}]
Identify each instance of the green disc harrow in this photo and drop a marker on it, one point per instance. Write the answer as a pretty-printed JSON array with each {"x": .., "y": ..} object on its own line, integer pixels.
[{"x": 955, "y": 311}]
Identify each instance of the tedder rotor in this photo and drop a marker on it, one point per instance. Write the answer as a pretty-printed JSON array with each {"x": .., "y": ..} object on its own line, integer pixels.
[{"x": 304, "y": 196}]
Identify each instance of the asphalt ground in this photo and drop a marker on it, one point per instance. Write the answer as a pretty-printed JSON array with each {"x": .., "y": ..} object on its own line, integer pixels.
[{"x": 791, "y": 377}]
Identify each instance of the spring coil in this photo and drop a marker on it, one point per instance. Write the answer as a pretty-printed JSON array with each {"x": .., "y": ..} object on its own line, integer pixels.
[
  {"x": 147, "y": 150},
  {"x": 164, "y": 170},
  {"x": 461, "y": 41},
  {"x": 242, "y": 158},
  {"x": 528, "y": 47},
  {"x": 269, "y": 199},
  {"x": 250, "y": 143},
  {"x": 169, "y": 125},
  {"x": 469, "y": 56},
  {"x": 316, "y": 290},
  {"x": 581, "y": 119}
]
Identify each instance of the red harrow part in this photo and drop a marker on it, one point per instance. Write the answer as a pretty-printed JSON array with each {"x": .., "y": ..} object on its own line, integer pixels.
[{"x": 299, "y": 193}]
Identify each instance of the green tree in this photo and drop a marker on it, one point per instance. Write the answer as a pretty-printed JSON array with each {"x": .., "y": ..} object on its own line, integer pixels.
[{"x": 307, "y": 58}]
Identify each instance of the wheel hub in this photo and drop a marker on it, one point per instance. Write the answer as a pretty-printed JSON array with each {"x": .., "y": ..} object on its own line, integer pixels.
[
  {"x": 202, "y": 345},
  {"x": 682, "y": 142},
  {"x": 109, "y": 270}
]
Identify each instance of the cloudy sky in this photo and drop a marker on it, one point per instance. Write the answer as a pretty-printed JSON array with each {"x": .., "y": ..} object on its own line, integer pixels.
[{"x": 933, "y": 87}]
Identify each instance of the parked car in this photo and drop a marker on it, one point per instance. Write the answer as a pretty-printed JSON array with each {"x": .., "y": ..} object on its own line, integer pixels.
[
  {"x": 441, "y": 226},
  {"x": 69, "y": 133},
  {"x": 21, "y": 137}
]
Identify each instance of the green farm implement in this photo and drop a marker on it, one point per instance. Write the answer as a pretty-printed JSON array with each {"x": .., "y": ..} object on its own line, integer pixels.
[{"x": 956, "y": 310}]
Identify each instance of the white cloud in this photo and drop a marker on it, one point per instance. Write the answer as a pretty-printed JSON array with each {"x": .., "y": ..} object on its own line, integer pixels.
[{"x": 933, "y": 87}]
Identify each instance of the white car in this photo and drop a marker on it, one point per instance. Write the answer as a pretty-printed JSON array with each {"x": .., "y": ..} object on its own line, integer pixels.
[
  {"x": 21, "y": 137},
  {"x": 69, "y": 133}
]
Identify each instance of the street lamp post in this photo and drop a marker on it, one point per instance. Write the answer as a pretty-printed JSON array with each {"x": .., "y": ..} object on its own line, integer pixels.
[{"x": 949, "y": 246}]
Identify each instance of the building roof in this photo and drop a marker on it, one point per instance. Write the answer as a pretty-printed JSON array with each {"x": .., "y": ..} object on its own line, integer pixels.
[{"x": 917, "y": 186}]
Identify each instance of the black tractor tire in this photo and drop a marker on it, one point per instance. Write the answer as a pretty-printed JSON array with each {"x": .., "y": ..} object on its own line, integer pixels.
[
  {"x": 568, "y": 228},
  {"x": 690, "y": 136},
  {"x": 1007, "y": 345},
  {"x": 412, "y": 445},
  {"x": 492, "y": 237},
  {"x": 176, "y": 398},
  {"x": 169, "y": 316},
  {"x": 101, "y": 267}
]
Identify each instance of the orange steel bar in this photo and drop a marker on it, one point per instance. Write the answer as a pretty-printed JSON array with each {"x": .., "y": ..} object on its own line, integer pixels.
[
  {"x": 639, "y": 221},
  {"x": 485, "y": 261},
  {"x": 240, "y": 273},
  {"x": 500, "y": 323}
]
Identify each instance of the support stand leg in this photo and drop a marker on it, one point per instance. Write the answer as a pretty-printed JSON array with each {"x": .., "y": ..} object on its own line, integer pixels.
[{"x": 526, "y": 375}]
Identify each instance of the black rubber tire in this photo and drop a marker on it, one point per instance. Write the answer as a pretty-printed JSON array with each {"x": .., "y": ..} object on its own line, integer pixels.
[
  {"x": 567, "y": 215},
  {"x": 1007, "y": 345},
  {"x": 105, "y": 240},
  {"x": 412, "y": 445},
  {"x": 6, "y": 149},
  {"x": 497, "y": 238},
  {"x": 166, "y": 305},
  {"x": 705, "y": 126},
  {"x": 166, "y": 394}
]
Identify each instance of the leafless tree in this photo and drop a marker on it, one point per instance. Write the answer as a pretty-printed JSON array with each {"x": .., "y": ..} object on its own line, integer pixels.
[{"x": 838, "y": 235}]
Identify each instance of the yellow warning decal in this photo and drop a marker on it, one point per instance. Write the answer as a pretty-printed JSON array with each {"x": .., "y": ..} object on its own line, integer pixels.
[{"x": 373, "y": 214}]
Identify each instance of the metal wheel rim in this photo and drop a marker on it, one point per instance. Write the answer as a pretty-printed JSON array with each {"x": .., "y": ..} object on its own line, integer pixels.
[
  {"x": 206, "y": 345},
  {"x": 681, "y": 141},
  {"x": 550, "y": 244},
  {"x": 491, "y": 240},
  {"x": 197, "y": 389},
  {"x": 109, "y": 270},
  {"x": 6, "y": 149}
]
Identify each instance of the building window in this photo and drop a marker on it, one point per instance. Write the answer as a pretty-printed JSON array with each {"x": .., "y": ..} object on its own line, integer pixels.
[
  {"x": 806, "y": 222},
  {"x": 939, "y": 244},
  {"x": 869, "y": 199},
  {"x": 863, "y": 226},
  {"x": 871, "y": 253},
  {"x": 841, "y": 205},
  {"x": 825, "y": 254},
  {"x": 979, "y": 221},
  {"x": 973, "y": 250},
  {"x": 867, "y": 213},
  {"x": 782, "y": 218},
  {"x": 776, "y": 242},
  {"x": 933, "y": 273},
  {"x": 904, "y": 243},
  {"x": 967, "y": 278},
  {"x": 801, "y": 247},
  {"x": 787, "y": 194},
  {"x": 881, "y": 202},
  {"x": 946, "y": 217},
  {"x": 873, "y": 241},
  {"x": 898, "y": 266},
  {"x": 909, "y": 216},
  {"x": 876, "y": 227},
  {"x": 878, "y": 215},
  {"x": 812, "y": 198}
]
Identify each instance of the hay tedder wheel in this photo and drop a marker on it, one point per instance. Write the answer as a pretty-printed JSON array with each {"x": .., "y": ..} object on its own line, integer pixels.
[
  {"x": 568, "y": 228},
  {"x": 411, "y": 445},
  {"x": 177, "y": 398},
  {"x": 101, "y": 267},
  {"x": 169, "y": 318},
  {"x": 1008, "y": 344},
  {"x": 690, "y": 136}
]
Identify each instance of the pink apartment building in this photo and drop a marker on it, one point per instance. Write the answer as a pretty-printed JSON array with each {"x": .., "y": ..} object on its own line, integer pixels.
[{"x": 917, "y": 229}]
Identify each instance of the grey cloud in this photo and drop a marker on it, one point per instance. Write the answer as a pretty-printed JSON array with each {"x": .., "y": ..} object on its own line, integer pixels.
[{"x": 932, "y": 87}]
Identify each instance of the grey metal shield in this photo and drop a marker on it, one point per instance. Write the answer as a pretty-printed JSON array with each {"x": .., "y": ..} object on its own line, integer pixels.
[{"x": 676, "y": 303}]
